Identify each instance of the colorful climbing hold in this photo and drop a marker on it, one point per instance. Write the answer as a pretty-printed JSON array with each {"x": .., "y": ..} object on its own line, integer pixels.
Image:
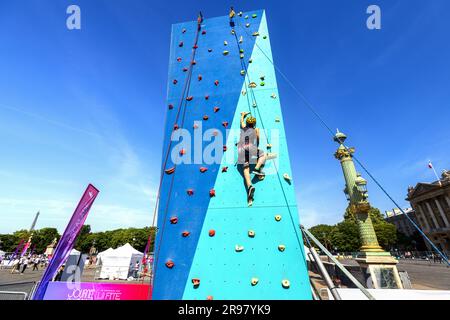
[
  {"x": 190, "y": 192},
  {"x": 287, "y": 177},
  {"x": 182, "y": 152},
  {"x": 232, "y": 31},
  {"x": 206, "y": 97},
  {"x": 209, "y": 298},
  {"x": 194, "y": 46},
  {"x": 247, "y": 25},
  {"x": 183, "y": 31},
  {"x": 216, "y": 82},
  {"x": 185, "y": 234},
  {"x": 199, "y": 77},
  {"x": 170, "y": 171},
  {"x": 264, "y": 37},
  {"x": 225, "y": 43},
  {"x": 241, "y": 50},
  {"x": 225, "y": 148},
  {"x": 244, "y": 92},
  {"x": 242, "y": 72},
  {"x": 251, "y": 233},
  {"x": 269, "y": 146},
  {"x": 195, "y": 126},
  {"x": 254, "y": 281},
  {"x": 175, "y": 127},
  {"x": 180, "y": 44},
  {"x": 209, "y": 50},
  {"x": 246, "y": 17},
  {"x": 273, "y": 96},
  {"x": 226, "y": 52},
  {"x": 239, "y": 248},
  {"x": 255, "y": 34},
  {"x": 215, "y": 133},
  {"x": 277, "y": 119},
  {"x": 179, "y": 59},
  {"x": 203, "y": 169},
  {"x": 281, "y": 247},
  {"x": 224, "y": 169},
  {"x": 205, "y": 117},
  {"x": 170, "y": 264},
  {"x": 196, "y": 282},
  {"x": 225, "y": 124},
  {"x": 262, "y": 84},
  {"x": 189, "y": 98},
  {"x": 254, "y": 104},
  {"x": 241, "y": 56},
  {"x": 212, "y": 193},
  {"x": 212, "y": 233},
  {"x": 193, "y": 62},
  {"x": 263, "y": 77},
  {"x": 278, "y": 217},
  {"x": 173, "y": 220},
  {"x": 185, "y": 69},
  {"x": 216, "y": 109},
  {"x": 170, "y": 106},
  {"x": 285, "y": 283},
  {"x": 240, "y": 14},
  {"x": 203, "y": 32},
  {"x": 252, "y": 85},
  {"x": 175, "y": 81},
  {"x": 241, "y": 39},
  {"x": 250, "y": 60},
  {"x": 254, "y": 15}
]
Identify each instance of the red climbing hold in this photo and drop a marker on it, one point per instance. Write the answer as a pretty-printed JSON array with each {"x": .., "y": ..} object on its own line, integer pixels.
[
  {"x": 193, "y": 62},
  {"x": 216, "y": 82},
  {"x": 175, "y": 127},
  {"x": 212, "y": 233},
  {"x": 175, "y": 81},
  {"x": 225, "y": 124},
  {"x": 180, "y": 44},
  {"x": 212, "y": 193},
  {"x": 170, "y": 106},
  {"x": 200, "y": 77},
  {"x": 170, "y": 171},
  {"x": 179, "y": 59},
  {"x": 209, "y": 298},
  {"x": 190, "y": 192},
  {"x": 203, "y": 32},
  {"x": 205, "y": 117},
  {"x": 203, "y": 169},
  {"x": 225, "y": 148},
  {"x": 216, "y": 109},
  {"x": 195, "y": 47},
  {"x": 185, "y": 234},
  {"x": 224, "y": 169},
  {"x": 196, "y": 282},
  {"x": 182, "y": 152},
  {"x": 185, "y": 69},
  {"x": 170, "y": 264},
  {"x": 173, "y": 220},
  {"x": 189, "y": 98},
  {"x": 206, "y": 97}
]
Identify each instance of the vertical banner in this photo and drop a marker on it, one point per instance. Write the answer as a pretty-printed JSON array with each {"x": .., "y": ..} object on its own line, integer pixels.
[{"x": 67, "y": 240}]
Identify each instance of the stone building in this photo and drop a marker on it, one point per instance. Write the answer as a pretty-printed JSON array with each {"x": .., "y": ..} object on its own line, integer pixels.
[
  {"x": 402, "y": 223},
  {"x": 431, "y": 202}
]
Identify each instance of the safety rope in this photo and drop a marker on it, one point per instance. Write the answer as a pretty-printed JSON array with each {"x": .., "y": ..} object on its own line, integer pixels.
[
  {"x": 183, "y": 99},
  {"x": 322, "y": 121}
]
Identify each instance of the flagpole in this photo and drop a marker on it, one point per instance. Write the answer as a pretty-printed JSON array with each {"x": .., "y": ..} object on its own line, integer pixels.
[{"x": 435, "y": 173}]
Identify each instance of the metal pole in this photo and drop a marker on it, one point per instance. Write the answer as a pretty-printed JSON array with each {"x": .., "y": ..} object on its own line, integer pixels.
[
  {"x": 324, "y": 273},
  {"x": 338, "y": 264}
]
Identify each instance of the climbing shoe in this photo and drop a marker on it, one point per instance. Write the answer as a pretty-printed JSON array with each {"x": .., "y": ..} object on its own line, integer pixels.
[{"x": 251, "y": 192}]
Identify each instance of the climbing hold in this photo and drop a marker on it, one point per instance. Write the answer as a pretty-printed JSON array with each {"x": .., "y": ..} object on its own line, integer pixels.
[
  {"x": 254, "y": 15},
  {"x": 281, "y": 247},
  {"x": 170, "y": 264},
  {"x": 209, "y": 50},
  {"x": 180, "y": 44},
  {"x": 209, "y": 298},
  {"x": 225, "y": 52},
  {"x": 247, "y": 25},
  {"x": 173, "y": 220},
  {"x": 216, "y": 82},
  {"x": 239, "y": 248},
  {"x": 185, "y": 234},
  {"x": 241, "y": 39},
  {"x": 189, "y": 98},
  {"x": 170, "y": 171},
  {"x": 254, "y": 105},
  {"x": 278, "y": 217},
  {"x": 254, "y": 281},
  {"x": 203, "y": 32},
  {"x": 212, "y": 193},
  {"x": 225, "y": 43},
  {"x": 224, "y": 148},
  {"x": 179, "y": 59},
  {"x": 252, "y": 85},
  {"x": 242, "y": 72},
  {"x": 273, "y": 96},
  {"x": 185, "y": 69},
  {"x": 170, "y": 106},
  {"x": 262, "y": 84},
  {"x": 232, "y": 31},
  {"x": 195, "y": 126},
  {"x": 212, "y": 233},
  {"x": 175, "y": 81},
  {"x": 250, "y": 60},
  {"x": 251, "y": 233},
  {"x": 225, "y": 124},
  {"x": 182, "y": 152},
  {"x": 183, "y": 31},
  {"x": 269, "y": 146},
  {"x": 195, "y": 46},
  {"x": 246, "y": 17},
  {"x": 287, "y": 177},
  {"x": 286, "y": 284},
  {"x": 264, "y": 37},
  {"x": 190, "y": 192},
  {"x": 206, "y": 97},
  {"x": 224, "y": 169},
  {"x": 175, "y": 127},
  {"x": 203, "y": 169},
  {"x": 241, "y": 56},
  {"x": 241, "y": 50},
  {"x": 277, "y": 119},
  {"x": 244, "y": 92},
  {"x": 205, "y": 117},
  {"x": 199, "y": 77},
  {"x": 193, "y": 62},
  {"x": 216, "y": 109},
  {"x": 196, "y": 282},
  {"x": 263, "y": 77},
  {"x": 255, "y": 34},
  {"x": 240, "y": 14}
]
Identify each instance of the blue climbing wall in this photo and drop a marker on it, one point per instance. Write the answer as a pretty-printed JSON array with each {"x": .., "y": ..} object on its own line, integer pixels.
[{"x": 223, "y": 271}]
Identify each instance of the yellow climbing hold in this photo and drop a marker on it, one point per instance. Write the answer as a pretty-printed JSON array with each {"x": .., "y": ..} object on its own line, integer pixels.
[
  {"x": 254, "y": 281},
  {"x": 241, "y": 56},
  {"x": 246, "y": 17},
  {"x": 255, "y": 34},
  {"x": 225, "y": 43},
  {"x": 244, "y": 92},
  {"x": 225, "y": 52},
  {"x": 252, "y": 85},
  {"x": 285, "y": 283},
  {"x": 281, "y": 247},
  {"x": 232, "y": 31},
  {"x": 273, "y": 96},
  {"x": 243, "y": 72},
  {"x": 269, "y": 146},
  {"x": 247, "y": 25},
  {"x": 277, "y": 119},
  {"x": 278, "y": 217},
  {"x": 251, "y": 233}
]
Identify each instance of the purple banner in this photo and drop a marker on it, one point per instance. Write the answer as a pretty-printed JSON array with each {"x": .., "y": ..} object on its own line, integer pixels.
[{"x": 67, "y": 241}]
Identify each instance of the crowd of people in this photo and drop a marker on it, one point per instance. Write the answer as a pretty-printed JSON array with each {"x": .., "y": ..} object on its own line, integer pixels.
[{"x": 19, "y": 264}]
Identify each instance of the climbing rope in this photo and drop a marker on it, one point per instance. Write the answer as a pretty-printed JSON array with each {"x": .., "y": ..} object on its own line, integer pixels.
[
  {"x": 323, "y": 122},
  {"x": 183, "y": 99}
]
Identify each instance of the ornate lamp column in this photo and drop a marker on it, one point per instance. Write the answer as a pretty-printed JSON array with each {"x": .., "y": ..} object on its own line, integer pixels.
[{"x": 379, "y": 265}]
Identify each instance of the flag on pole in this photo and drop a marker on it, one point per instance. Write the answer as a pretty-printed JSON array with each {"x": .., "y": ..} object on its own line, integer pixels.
[{"x": 430, "y": 165}]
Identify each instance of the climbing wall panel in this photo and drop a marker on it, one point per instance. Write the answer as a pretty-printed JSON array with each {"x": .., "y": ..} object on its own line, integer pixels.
[{"x": 234, "y": 251}]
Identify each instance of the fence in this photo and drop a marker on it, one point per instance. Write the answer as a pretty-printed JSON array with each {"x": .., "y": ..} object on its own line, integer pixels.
[{"x": 16, "y": 290}]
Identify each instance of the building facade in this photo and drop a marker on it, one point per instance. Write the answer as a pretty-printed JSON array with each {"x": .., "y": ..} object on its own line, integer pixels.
[
  {"x": 431, "y": 202},
  {"x": 401, "y": 222}
]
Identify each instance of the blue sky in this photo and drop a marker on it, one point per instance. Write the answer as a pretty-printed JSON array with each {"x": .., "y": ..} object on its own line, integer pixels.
[{"x": 89, "y": 105}]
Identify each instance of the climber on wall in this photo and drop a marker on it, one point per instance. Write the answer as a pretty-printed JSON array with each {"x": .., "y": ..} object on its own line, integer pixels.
[
  {"x": 249, "y": 153},
  {"x": 231, "y": 15}
]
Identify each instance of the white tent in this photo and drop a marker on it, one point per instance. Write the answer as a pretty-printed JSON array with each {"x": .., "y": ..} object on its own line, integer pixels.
[
  {"x": 118, "y": 263},
  {"x": 2, "y": 253}
]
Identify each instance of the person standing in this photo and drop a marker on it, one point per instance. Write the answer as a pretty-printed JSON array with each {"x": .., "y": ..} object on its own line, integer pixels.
[
  {"x": 35, "y": 263},
  {"x": 24, "y": 264}
]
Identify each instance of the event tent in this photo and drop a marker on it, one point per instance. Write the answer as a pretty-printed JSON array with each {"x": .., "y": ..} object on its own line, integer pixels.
[{"x": 118, "y": 263}]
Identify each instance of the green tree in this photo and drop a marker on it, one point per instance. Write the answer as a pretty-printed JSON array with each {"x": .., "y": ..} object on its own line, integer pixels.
[
  {"x": 324, "y": 233},
  {"x": 346, "y": 236},
  {"x": 43, "y": 237}
]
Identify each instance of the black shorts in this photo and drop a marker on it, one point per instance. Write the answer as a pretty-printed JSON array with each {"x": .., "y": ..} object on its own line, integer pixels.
[{"x": 249, "y": 154}]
